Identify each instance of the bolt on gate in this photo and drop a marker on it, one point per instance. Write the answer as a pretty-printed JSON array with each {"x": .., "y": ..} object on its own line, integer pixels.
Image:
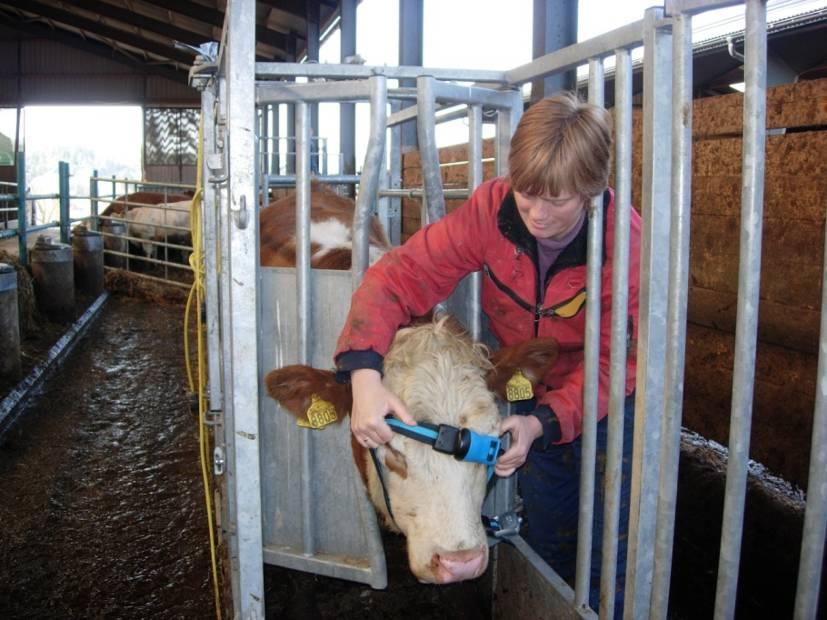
[{"x": 259, "y": 318}]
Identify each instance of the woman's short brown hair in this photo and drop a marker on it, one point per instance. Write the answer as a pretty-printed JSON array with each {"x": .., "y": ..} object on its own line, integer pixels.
[{"x": 561, "y": 145}]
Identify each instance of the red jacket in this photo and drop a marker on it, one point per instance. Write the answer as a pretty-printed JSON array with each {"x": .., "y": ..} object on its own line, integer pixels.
[{"x": 486, "y": 233}]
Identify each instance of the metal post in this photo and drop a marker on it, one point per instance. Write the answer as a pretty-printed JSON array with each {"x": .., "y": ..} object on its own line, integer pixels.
[
  {"x": 620, "y": 309},
  {"x": 369, "y": 182},
  {"x": 654, "y": 279},
  {"x": 243, "y": 334},
  {"x": 347, "y": 111},
  {"x": 507, "y": 121},
  {"x": 749, "y": 278},
  {"x": 591, "y": 380},
  {"x": 474, "y": 181},
  {"x": 428, "y": 152},
  {"x": 555, "y": 27},
  {"x": 815, "y": 516},
  {"x": 22, "y": 246},
  {"x": 676, "y": 317},
  {"x": 93, "y": 199},
  {"x": 411, "y": 16},
  {"x": 395, "y": 182},
  {"x": 63, "y": 189},
  {"x": 303, "y": 310}
]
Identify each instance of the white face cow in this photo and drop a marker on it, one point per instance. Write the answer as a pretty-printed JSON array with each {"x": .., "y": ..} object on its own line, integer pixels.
[{"x": 443, "y": 378}]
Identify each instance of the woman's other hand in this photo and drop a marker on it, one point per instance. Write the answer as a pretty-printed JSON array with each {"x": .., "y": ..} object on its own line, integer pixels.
[{"x": 524, "y": 430}]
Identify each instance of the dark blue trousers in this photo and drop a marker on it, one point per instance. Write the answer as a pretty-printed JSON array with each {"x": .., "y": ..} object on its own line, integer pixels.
[{"x": 549, "y": 484}]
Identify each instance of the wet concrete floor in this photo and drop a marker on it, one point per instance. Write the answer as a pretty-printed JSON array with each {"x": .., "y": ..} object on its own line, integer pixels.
[{"x": 101, "y": 503}]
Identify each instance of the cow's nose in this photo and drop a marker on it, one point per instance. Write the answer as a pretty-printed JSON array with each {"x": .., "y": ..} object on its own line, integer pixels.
[{"x": 459, "y": 565}]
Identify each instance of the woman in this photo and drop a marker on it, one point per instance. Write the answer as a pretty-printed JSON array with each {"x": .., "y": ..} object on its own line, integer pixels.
[{"x": 527, "y": 233}]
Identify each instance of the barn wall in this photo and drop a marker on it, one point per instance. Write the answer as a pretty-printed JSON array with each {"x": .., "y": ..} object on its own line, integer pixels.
[
  {"x": 39, "y": 71},
  {"x": 794, "y": 217}
]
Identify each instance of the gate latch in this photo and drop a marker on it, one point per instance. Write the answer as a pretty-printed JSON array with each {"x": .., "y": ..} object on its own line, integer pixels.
[{"x": 218, "y": 460}]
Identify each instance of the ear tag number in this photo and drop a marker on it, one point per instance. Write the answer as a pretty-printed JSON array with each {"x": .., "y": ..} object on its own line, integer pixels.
[
  {"x": 518, "y": 387},
  {"x": 320, "y": 413}
]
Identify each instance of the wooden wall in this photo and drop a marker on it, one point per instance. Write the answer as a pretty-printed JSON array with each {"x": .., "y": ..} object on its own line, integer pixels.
[{"x": 793, "y": 246}]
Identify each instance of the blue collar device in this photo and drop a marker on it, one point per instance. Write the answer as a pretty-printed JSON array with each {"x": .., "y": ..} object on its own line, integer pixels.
[{"x": 462, "y": 443}]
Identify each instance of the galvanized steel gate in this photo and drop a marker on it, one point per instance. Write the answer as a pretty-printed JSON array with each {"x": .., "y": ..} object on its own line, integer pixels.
[{"x": 284, "y": 491}]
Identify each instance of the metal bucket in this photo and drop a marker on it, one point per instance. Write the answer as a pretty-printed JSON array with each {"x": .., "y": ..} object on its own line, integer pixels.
[
  {"x": 87, "y": 249},
  {"x": 9, "y": 323},
  {"x": 114, "y": 233},
  {"x": 54, "y": 279}
]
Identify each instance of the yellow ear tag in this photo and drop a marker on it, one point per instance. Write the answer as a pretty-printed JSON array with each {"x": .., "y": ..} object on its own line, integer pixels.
[
  {"x": 518, "y": 387},
  {"x": 320, "y": 413}
]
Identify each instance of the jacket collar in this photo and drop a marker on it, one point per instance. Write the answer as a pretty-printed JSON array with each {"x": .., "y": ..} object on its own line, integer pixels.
[{"x": 513, "y": 228}]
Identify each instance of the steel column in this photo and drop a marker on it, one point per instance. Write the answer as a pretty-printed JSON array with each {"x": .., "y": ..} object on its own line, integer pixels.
[
  {"x": 243, "y": 298},
  {"x": 620, "y": 317},
  {"x": 369, "y": 183},
  {"x": 63, "y": 200},
  {"x": 815, "y": 516},
  {"x": 746, "y": 329},
  {"x": 22, "y": 248},
  {"x": 591, "y": 379},
  {"x": 347, "y": 111},
  {"x": 676, "y": 310},
  {"x": 654, "y": 279},
  {"x": 555, "y": 27},
  {"x": 428, "y": 152}
]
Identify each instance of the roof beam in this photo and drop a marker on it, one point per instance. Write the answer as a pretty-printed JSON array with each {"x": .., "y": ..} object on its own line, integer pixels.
[
  {"x": 109, "y": 32},
  {"x": 131, "y": 18},
  {"x": 90, "y": 46},
  {"x": 215, "y": 17}
]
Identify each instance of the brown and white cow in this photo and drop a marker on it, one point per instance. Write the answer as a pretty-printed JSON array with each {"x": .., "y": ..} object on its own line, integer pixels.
[
  {"x": 331, "y": 239},
  {"x": 444, "y": 378},
  {"x": 167, "y": 222}
]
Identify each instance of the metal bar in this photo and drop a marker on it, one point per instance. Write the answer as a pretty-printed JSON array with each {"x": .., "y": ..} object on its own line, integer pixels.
[
  {"x": 620, "y": 306},
  {"x": 418, "y": 192},
  {"x": 630, "y": 35},
  {"x": 284, "y": 92},
  {"x": 135, "y": 182},
  {"x": 676, "y": 309},
  {"x": 474, "y": 181},
  {"x": 395, "y": 182},
  {"x": 815, "y": 516},
  {"x": 93, "y": 199},
  {"x": 428, "y": 152},
  {"x": 591, "y": 380},
  {"x": 445, "y": 92},
  {"x": 654, "y": 280},
  {"x": 273, "y": 70},
  {"x": 347, "y": 111},
  {"x": 243, "y": 328},
  {"x": 303, "y": 309},
  {"x": 371, "y": 169},
  {"x": 333, "y": 179},
  {"x": 63, "y": 189},
  {"x": 22, "y": 248},
  {"x": 410, "y": 113},
  {"x": 507, "y": 121},
  {"x": 749, "y": 278},
  {"x": 688, "y": 7},
  {"x": 211, "y": 253}
]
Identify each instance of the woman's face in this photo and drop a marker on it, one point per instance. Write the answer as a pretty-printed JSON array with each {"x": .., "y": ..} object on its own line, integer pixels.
[{"x": 550, "y": 217}]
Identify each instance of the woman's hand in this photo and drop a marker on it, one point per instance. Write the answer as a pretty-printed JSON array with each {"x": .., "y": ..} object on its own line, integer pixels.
[
  {"x": 524, "y": 430},
  {"x": 371, "y": 403}
]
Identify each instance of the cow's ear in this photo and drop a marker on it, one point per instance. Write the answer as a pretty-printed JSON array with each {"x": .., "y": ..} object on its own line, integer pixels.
[
  {"x": 295, "y": 386},
  {"x": 534, "y": 358}
]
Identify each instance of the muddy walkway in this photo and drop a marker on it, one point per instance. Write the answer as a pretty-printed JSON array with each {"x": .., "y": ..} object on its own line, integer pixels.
[{"x": 100, "y": 495}]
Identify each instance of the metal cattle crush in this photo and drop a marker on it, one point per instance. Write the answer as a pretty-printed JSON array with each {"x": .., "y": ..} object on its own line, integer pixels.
[{"x": 284, "y": 484}]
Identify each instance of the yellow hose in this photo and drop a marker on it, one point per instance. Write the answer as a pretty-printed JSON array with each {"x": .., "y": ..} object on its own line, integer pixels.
[{"x": 196, "y": 262}]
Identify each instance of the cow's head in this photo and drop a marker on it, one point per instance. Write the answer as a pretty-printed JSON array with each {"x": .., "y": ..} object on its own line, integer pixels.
[{"x": 443, "y": 378}]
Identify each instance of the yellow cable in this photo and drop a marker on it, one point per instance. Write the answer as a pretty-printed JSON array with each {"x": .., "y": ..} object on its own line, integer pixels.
[{"x": 196, "y": 261}]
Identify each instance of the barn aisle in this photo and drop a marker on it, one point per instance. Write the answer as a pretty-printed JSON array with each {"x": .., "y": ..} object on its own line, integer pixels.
[{"x": 100, "y": 489}]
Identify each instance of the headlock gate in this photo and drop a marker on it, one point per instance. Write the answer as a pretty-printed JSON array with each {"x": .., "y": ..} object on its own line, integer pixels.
[{"x": 284, "y": 503}]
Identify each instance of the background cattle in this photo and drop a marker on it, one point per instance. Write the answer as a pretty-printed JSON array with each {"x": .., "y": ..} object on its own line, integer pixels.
[
  {"x": 168, "y": 222},
  {"x": 444, "y": 378},
  {"x": 331, "y": 238}
]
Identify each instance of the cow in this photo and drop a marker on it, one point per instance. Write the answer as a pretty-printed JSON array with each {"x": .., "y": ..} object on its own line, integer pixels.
[
  {"x": 331, "y": 241},
  {"x": 166, "y": 222},
  {"x": 120, "y": 207},
  {"x": 444, "y": 378}
]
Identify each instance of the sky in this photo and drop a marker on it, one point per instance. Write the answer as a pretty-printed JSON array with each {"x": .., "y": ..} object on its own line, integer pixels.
[{"x": 473, "y": 34}]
